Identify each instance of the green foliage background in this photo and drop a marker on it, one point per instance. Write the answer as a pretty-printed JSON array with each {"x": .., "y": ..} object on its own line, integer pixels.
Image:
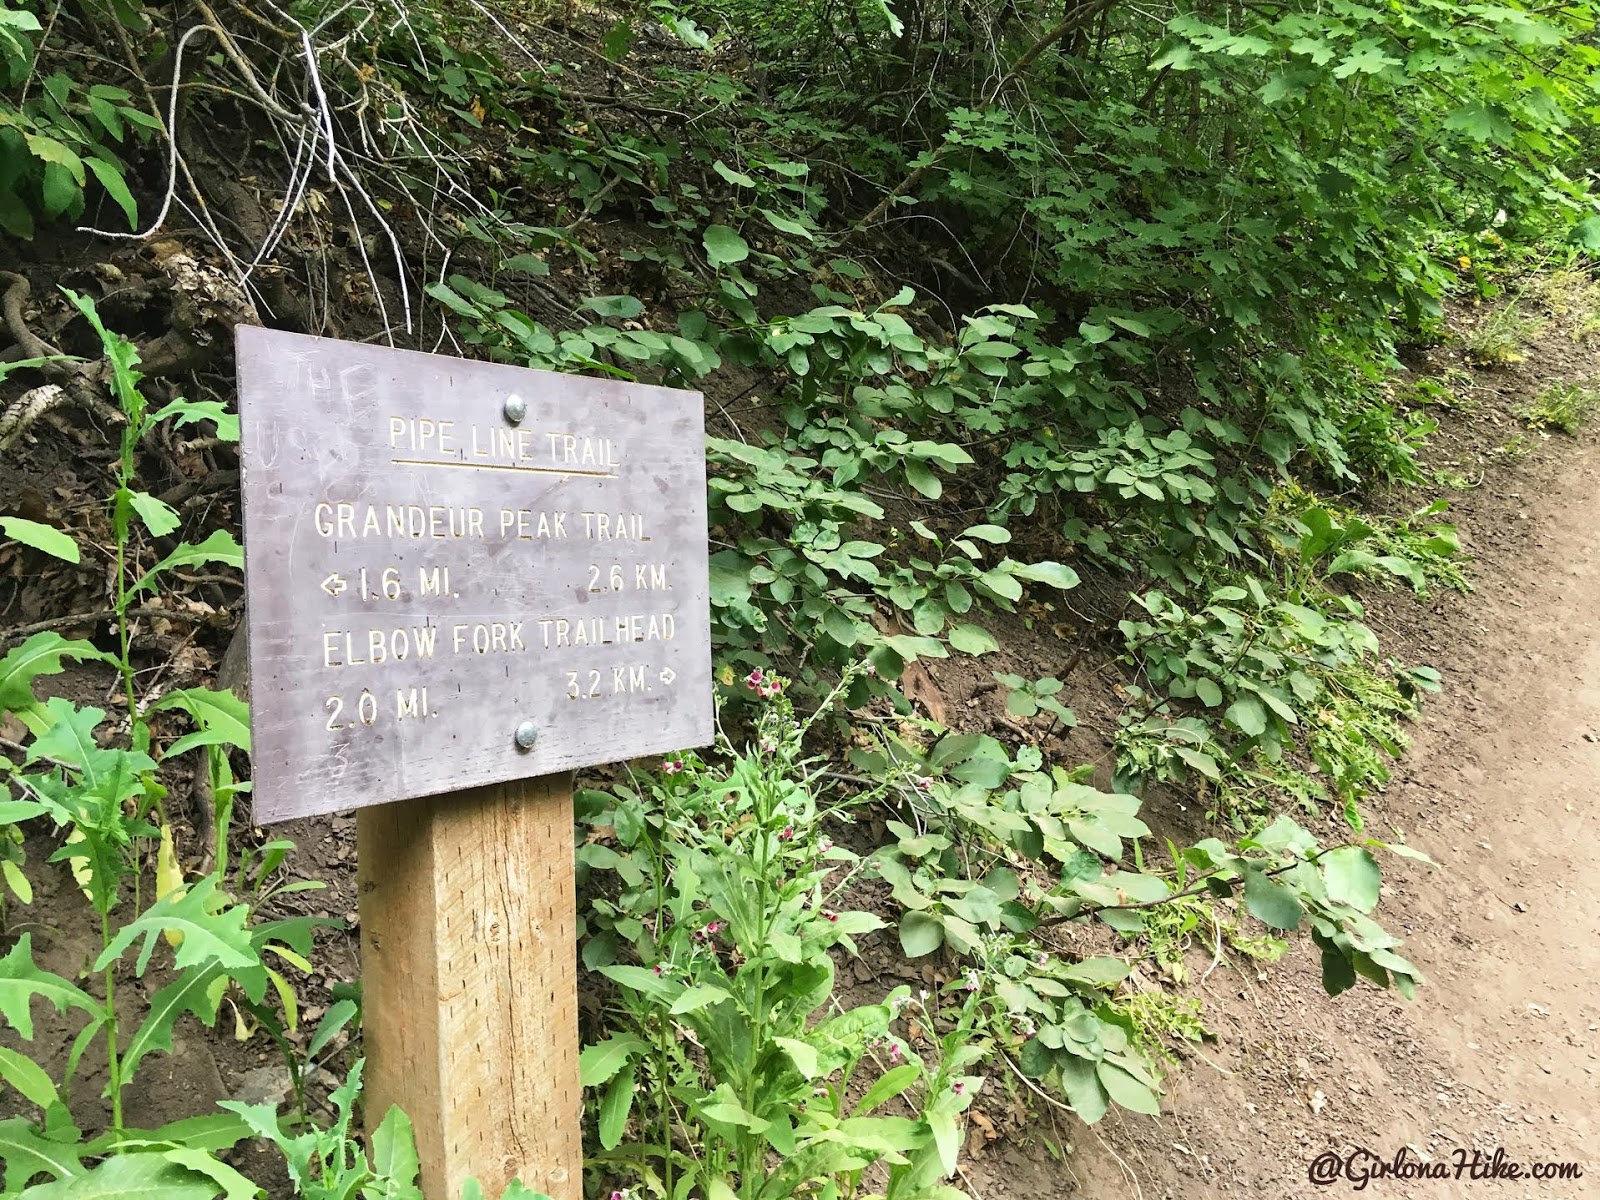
[{"x": 991, "y": 303}]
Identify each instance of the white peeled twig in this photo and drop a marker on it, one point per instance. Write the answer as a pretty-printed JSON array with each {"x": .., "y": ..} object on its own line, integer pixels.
[{"x": 172, "y": 141}]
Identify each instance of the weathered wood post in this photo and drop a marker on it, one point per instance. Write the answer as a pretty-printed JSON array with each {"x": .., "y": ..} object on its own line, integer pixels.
[{"x": 465, "y": 581}]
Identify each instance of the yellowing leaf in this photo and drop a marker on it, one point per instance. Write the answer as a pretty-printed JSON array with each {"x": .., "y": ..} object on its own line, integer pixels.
[
  {"x": 169, "y": 879},
  {"x": 80, "y": 868}
]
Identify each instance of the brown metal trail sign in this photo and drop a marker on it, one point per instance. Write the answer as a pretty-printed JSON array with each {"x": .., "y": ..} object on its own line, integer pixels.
[
  {"x": 466, "y": 579},
  {"x": 442, "y": 553}
]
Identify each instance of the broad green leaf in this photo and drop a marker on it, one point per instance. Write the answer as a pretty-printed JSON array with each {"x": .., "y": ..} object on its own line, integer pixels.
[
  {"x": 1269, "y": 902},
  {"x": 602, "y": 1060},
  {"x": 970, "y": 639},
  {"x": 1052, "y": 574},
  {"x": 802, "y": 1054},
  {"x": 16, "y": 881},
  {"x": 1249, "y": 715},
  {"x": 116, "y": 187},
  {"x": 41, "y": 537},
  {"x": 1128, "y": 1091},
  {"x": 920, "y": 476},
  {"x": 47, "y": 149},
  {"x": 615, "y": 1107},
  {"x": 613, "y": 306},
  {"x": 697, "y": 997},
  {"x": 787, "y": 224},
  {"x": 233, "y": 1184},
  {"x": 994, "y": 534},
  {"x": 732, "y": 176},
  {"x": 1208, "y": 692},
  {"x": 920, "y": 934},
  {"x": 887, "y": 1086},
  {"x": 1097, "y": 972},
  {"x": 22, "y": 1073},
  {"x": 1352, "y": 877},
  {"x": 526, "y": 264},
  {"x": 946, "y": 1130},
  {"x": 724, "y": 246}
]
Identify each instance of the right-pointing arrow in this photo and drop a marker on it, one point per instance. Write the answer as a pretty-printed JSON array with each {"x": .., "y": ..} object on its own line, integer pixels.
[{"x": 667, "y": 675}]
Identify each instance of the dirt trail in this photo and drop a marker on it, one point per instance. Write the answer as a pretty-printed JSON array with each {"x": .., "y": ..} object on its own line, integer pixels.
[{"x": 1502, "y": 1047}]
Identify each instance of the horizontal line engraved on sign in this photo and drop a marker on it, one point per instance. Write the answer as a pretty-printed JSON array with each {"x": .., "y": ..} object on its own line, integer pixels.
[{"x": 433, "y": 462}]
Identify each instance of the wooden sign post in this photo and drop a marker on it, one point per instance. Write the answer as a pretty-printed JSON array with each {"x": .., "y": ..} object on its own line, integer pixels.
[{"x": 465, "y": 581}]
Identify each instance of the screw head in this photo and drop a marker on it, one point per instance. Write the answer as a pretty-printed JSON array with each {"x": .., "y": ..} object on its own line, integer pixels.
[
  {"x": 527, "y": 734},
  {"x": 515, "y": 409}
]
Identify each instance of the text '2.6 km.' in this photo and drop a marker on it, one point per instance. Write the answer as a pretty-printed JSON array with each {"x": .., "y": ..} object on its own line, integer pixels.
[{"x": 463, "y": 573}]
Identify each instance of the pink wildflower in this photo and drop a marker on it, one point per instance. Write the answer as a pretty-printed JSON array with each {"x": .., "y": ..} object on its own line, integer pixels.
[
  {"x": 958, "y": 1087},
  {"x": 830, "y": 914},
  {"x": 787, "y": 834},
  {"x": 753, "y": 680},
  {"x": 672, "y": 766}
]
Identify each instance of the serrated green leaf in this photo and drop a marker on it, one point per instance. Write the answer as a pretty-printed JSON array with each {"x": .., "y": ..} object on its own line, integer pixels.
[
  {"x": 601, "y": 1061},
  {"x": 192, "y": 992},
  {"x": 220, "y": 547},
  {"x": 159, "y": 517},
  {"x": 188, "y": 412},
  {"x": 209, "y": 936},
  {"x": 28, "y": 1153},
  {"x": 21, "y": 980},
  {"x": 394, "y": 1156},
  {"x": 224, "y": 719}
]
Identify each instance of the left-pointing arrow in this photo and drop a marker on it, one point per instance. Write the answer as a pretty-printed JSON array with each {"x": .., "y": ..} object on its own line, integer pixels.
[{"x": 334, "y": 584}]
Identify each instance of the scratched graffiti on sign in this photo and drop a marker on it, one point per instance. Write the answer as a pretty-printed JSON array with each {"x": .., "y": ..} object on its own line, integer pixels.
[{"x": 442, "y": 553}]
